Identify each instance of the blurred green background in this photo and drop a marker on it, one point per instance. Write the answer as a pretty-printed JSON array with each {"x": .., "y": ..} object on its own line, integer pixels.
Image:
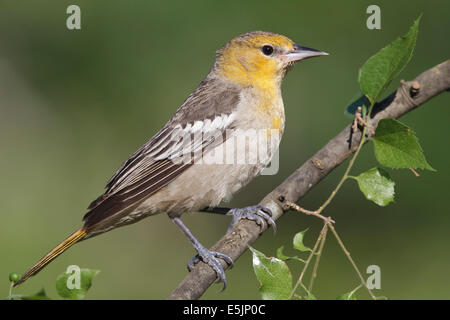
[{"x": 75, "y": 104}]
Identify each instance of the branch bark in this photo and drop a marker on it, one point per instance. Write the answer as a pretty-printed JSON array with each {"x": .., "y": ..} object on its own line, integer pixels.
[{"x": 406, "y": 98}]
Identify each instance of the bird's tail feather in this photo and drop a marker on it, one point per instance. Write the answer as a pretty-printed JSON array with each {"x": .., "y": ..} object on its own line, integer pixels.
[{"x": 63, "y": 246}]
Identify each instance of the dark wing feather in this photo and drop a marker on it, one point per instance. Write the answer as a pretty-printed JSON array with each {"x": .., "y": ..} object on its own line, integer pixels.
[{"x": 152, "y": 167}]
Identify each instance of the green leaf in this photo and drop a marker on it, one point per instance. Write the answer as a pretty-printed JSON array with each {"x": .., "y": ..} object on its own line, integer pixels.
[
  {"x": 298, "y": 241},
  {"x": 41, "y": 295},
  {"x": 274, "y": 276},
  {"x": 66, "y": 284},
  {"x": 396, "y": 146},
  {"x": 377, "y": 186},
  {"x": 376, "y": 74},
  {"x": 282, "y": 256}
]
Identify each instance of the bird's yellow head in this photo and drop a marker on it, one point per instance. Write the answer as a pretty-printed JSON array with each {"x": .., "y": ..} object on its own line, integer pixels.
[{"x": 260, "y": 59}]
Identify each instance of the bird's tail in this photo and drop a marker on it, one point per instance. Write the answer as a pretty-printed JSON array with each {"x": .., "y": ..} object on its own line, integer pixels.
[{"x": 63, "y": 246}]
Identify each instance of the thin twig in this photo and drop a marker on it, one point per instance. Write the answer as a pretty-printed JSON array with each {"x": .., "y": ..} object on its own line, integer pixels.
[
  {"x": 359, "y": 119},
  {"x": 415, "y": 172},
  {"x": 364, "y": 123},
  {"x": 309, "y": 212},
  {"x": 322, "y": 239},
  {"x": 319, "y": 253}
]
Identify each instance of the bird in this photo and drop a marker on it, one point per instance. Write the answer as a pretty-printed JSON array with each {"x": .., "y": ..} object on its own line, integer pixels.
[{"x": 240, "y": 96}]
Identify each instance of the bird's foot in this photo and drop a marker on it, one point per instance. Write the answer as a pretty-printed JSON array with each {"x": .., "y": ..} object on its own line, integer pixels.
[
  {"x": 260, "y": 214},
  {"x": 211, "y": 258}
]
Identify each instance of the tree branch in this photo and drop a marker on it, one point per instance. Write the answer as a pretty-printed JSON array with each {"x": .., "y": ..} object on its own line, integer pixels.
[{"x": 406, "y": 98}]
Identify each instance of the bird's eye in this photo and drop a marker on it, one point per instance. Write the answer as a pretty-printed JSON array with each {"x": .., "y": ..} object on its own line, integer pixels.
[{"x": 267, "y": 50}]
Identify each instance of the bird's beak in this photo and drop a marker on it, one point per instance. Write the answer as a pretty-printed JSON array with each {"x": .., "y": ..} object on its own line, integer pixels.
[{"x": 300, "y": 53}]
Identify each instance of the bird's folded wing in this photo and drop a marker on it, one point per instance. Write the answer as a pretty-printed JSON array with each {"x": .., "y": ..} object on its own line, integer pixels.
[{"x": 159, "y": 161}]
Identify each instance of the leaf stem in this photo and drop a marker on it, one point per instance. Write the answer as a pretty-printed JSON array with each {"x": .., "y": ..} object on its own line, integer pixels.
[
  {"x": 351, "y": 163},
  {"x": 346, "y": 174}
]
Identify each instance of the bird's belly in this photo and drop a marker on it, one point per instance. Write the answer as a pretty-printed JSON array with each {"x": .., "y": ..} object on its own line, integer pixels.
[{"x": 213, "y": 179}]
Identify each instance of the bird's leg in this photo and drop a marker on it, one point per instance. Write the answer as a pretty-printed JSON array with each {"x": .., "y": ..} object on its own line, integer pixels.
[
  {"x": 260, "y": 214},
  {"x": 207, "y": 256}
]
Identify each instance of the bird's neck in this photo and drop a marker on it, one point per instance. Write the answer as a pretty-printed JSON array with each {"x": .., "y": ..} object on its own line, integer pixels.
[
  {"x": 256, "y": 73},
  {"x": 267, "y": 107}
]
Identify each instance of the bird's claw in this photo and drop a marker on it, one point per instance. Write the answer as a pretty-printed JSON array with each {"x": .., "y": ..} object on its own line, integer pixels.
[
  {"x": 260, "y": 214},
  {"x": 211, "y": 258}
]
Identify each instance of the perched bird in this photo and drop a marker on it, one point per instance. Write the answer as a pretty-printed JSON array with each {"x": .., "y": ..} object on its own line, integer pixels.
[{"x": 169, "y": 174}]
